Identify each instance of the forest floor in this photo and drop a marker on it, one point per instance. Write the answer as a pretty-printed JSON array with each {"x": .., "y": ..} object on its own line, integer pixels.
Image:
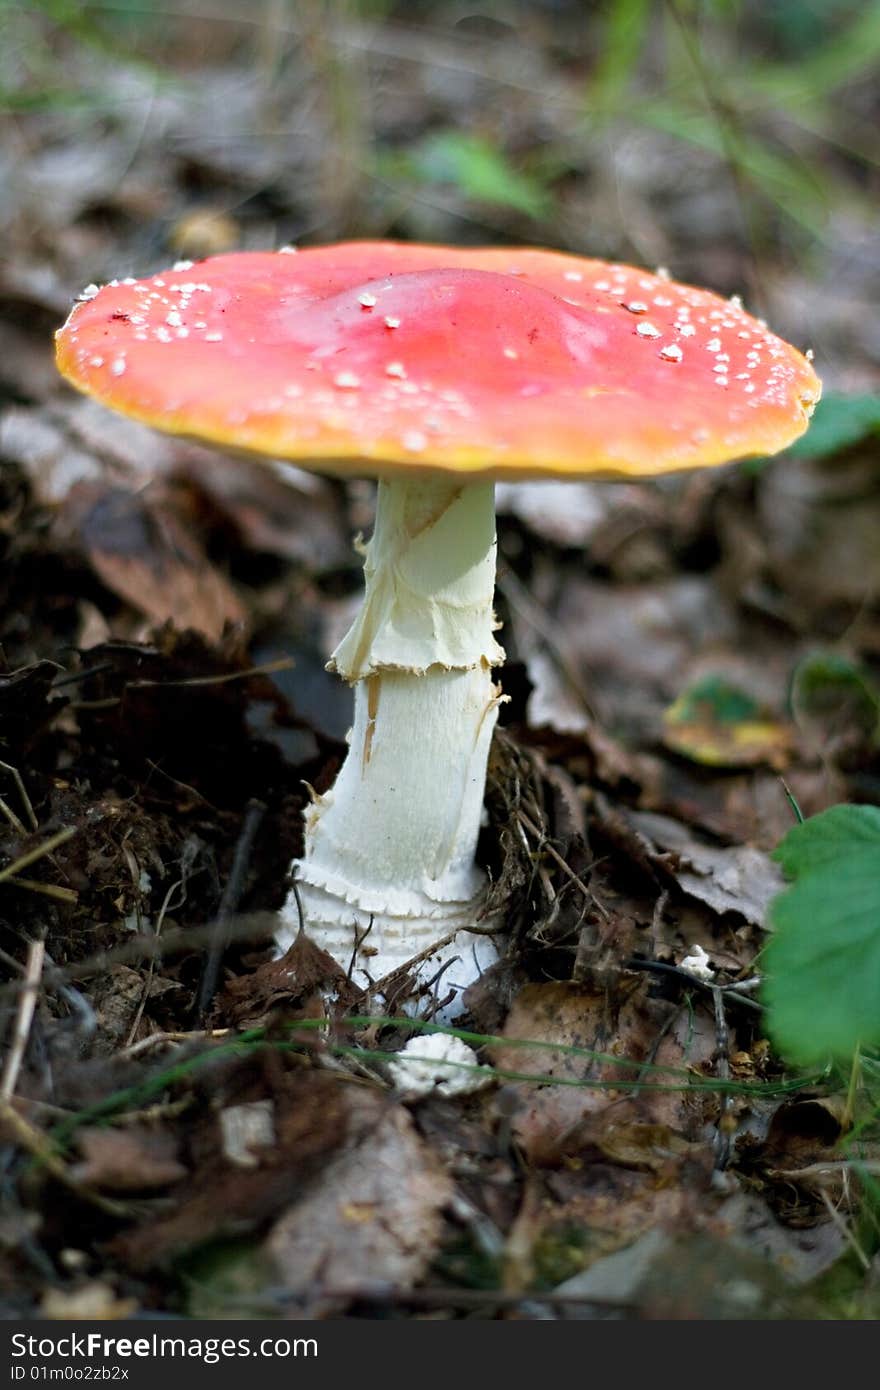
[{"x": 686, "y": 659}]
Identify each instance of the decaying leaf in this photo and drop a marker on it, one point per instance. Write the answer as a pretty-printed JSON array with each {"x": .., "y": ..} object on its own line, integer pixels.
[
  {"x": 716, "y": 724},
  {"x": 293, "y": 980},
  {"x": 143, "y": 551},
  {"x": 741, "y": 879},
  {"x": 136, "y": 1159},
  {"x": 374, "y": 1217},
  {"x": 564, "y": 1119},
  {"x": 314, "y": 1114}
]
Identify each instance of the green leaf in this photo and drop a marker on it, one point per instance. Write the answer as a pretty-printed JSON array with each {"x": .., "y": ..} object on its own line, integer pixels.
[
  {"x": 622, "y": 40},
  {"x": 727, "y": 703},
  {"x": 822, "y": 990},
  {"x": 476, "y": 167},
  {"x": 839, "y": 421},
  {"x": 715, "y": 723}
]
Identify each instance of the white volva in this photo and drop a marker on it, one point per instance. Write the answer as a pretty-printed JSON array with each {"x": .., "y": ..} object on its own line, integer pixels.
[{"x": 388, "y": 872}]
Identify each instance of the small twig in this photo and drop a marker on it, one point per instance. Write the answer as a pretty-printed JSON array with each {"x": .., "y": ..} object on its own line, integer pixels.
[
  {"x": 59, "y": 838},
  {"x": 48, "y": 890},
  {"x": 721, "y": 1143},
  {"x": 144, "y": 947},
  {"x": 24, "y": 1017},
  {"x": 744, "y": 986},
  {"x": 836, "y": 1165},
  {"x": 162, "y": 1110},
  {"x": 434, "y": 986},
  {"x": 359, "y": 939},
  {"x": 35, "y": 1143},
  {"x": 585, "y": 950},
  {"x": 659, "y": 909},
  {"x": 378, "y": 986},
  {"x": 301, "y": 917},
  {"x": 545, "y": 844},
  {"x": 155, "y": 1039},
  {"x": 74, "y": 677},
  {"x": 151, "y": 971},
  {"x": 176, "y": 782},
  {"x": 22, "y": 791},
  {"x": 663, "y": 1032},
  {"x": 17, "y": 825},
  {"x": 281, "y": 663},
  {"x": 232, "y": 893},
  {"x": 846, "y": 1231},
  {"x": 689, "y": 981}
]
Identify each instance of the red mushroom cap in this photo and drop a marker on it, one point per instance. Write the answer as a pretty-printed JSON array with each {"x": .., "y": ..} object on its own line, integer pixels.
[{"x": 378, "y": 357}]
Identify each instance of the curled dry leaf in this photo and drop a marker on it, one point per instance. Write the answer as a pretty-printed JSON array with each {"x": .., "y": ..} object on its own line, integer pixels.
[
  {"x": 294, "y": 980},
  {"x": 741, "y": 879}
]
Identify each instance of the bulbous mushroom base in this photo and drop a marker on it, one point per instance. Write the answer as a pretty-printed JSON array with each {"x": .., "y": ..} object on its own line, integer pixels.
[{"x": 400, "y": 961}]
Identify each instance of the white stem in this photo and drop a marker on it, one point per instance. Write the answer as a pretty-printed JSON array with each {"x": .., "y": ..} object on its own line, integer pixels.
[{"x": 388, "y": 870}]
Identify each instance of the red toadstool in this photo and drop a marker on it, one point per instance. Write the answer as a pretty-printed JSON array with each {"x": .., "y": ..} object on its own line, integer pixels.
[{"x": 439, "y": 370}]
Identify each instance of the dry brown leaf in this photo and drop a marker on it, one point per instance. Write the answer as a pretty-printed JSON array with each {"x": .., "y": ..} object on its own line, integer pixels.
[
  {"x": 292, "y": 981},
  {"x": 652, "y": 1147},
  {"x": 128, "y": 1160},
  {"x": 314, "y": 1114},
  {"x": 741, "y": 879},
  {"x": 578, "y": 1217},
  {"x": 565, "y": 1119},
  {"x": 373, "y": 1217},
  {"x": 800, "y": 1254},
  {"x": 146, "y": 555}
]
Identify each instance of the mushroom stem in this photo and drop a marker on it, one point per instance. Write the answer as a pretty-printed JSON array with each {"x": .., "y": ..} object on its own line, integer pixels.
[{"x": 388, "y": 871}]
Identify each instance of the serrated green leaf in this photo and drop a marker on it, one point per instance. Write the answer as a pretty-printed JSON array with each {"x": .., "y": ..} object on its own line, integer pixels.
[
  {"x": 829, "y": 836},
  {"x": 822, "y": 988}
]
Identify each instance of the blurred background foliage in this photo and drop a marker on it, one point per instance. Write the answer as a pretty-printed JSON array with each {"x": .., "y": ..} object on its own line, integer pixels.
[{"x": 735, "y": 140}]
